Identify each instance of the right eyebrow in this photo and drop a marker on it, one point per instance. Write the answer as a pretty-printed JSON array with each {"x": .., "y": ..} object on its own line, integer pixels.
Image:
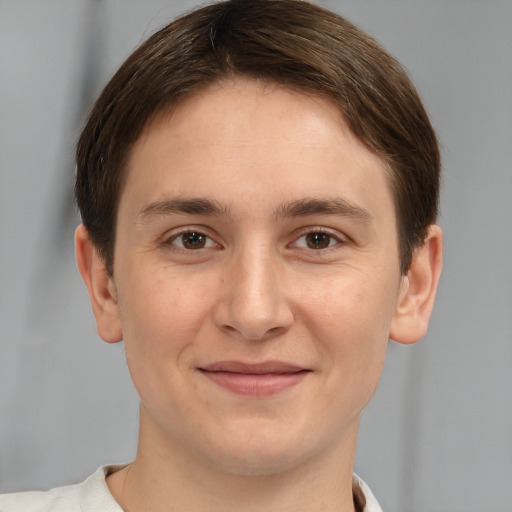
[
  {"x": 314, "y": 206},
  {"x": 191, "y": 206}
]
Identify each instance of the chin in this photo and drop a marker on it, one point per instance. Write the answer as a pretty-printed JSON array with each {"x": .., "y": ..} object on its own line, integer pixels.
[{"x": 262, "y": 453}]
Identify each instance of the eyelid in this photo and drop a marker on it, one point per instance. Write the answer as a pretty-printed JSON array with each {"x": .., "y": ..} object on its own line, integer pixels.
[
  {"x": 340, "y": 237},
  {"x": 171, "y": 235},
  {"x": 322, "y": 229}
]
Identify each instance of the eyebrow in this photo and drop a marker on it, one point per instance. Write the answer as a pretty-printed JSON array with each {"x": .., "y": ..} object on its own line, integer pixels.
[
  {"x": 336, "y": 206},
  {"x": 299, "y": 208},
  {"x": 191, "y": 206}
]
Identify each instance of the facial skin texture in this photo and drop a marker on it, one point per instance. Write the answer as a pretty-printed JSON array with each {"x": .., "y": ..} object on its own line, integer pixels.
[{"x": 269, "y": 167}]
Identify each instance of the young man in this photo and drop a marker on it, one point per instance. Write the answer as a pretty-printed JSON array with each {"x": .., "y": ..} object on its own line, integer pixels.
[{"x": 258, "y": 185}]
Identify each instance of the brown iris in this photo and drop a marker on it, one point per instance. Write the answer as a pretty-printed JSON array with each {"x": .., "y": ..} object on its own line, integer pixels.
[
  {"x": 318, "y": 240},
  {"x": 193, "y": 240}
]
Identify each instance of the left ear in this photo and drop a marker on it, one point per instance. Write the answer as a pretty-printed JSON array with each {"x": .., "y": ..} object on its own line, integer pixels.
[{"x": 418, "y": 290}]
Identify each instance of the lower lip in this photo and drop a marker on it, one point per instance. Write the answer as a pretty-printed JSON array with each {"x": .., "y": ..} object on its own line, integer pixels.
[{"x": 265, "y": 384}]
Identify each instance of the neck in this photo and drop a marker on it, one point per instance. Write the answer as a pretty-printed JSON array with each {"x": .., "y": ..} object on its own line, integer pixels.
[{"x": 166, "y": 477}]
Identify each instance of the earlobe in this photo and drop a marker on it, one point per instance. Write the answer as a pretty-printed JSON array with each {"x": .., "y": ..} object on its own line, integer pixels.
[
  {"x": 100, "y": 285},
  {"x": 418, "y": 290}
]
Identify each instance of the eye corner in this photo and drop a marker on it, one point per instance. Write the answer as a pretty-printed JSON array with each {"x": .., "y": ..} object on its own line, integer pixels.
[
  {"x": 319, "y": 239},
  {"x": 190, "y": 240}
]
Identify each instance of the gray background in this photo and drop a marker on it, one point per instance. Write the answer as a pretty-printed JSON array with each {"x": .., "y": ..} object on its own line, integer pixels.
[{"x": 438, "y": 435}]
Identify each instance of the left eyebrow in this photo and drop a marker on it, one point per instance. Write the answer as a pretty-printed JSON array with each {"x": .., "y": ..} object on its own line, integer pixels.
[
  {"x": 336, "y": 206},
  {"x": 187, "y": 205}
]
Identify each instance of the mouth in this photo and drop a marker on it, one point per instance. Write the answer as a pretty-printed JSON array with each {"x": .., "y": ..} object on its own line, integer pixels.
[{"x": 254, "y": 379}]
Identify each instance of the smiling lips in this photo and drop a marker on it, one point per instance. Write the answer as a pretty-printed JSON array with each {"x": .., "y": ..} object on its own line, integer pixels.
[{"x": 261, "y": 379}]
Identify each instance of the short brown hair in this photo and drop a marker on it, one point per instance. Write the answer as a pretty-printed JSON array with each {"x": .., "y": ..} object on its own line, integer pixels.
[{"x": 291, "y": 42}]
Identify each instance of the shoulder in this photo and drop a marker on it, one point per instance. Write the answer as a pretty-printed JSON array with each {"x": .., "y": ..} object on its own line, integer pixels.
[
  {"x": 59, "y": 499},
  {"x": 90, "y": 495}
]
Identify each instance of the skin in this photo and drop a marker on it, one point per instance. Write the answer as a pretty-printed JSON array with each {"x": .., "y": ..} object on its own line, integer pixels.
[{"x": 278, "y": 176}]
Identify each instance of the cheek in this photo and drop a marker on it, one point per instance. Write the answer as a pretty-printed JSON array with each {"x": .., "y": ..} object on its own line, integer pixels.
[
  {"x": 162, "y": 313},
  {"x": 350, "y": 323},
  {"x": 161, "y": 317},
  {"x": 356, "y": 305}
]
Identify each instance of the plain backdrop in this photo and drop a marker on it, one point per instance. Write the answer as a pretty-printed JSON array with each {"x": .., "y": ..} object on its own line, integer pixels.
[{"x": 438, "y": 434}]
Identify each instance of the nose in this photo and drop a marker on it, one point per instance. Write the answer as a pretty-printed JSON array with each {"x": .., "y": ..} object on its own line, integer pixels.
[{"x": 254, "y": 303}]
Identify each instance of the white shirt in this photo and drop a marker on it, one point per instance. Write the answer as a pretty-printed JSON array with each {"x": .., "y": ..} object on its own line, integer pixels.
[{"x": 93, "y": 495}]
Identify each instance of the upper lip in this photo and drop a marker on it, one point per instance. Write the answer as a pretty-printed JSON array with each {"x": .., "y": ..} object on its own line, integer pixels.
[{"x": 253, "y": 368}]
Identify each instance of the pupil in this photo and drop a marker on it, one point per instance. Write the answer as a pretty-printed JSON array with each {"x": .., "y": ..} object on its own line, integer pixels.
[
  {"x": 318, "y": 240},
  {"x": 193, "y": 240}
]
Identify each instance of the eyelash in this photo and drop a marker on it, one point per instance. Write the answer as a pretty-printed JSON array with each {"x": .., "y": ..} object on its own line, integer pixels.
[
  {"x": 333, "y": 241},
  {"x": 191, "y": 231},
  {"x": 337, "y": 239}
]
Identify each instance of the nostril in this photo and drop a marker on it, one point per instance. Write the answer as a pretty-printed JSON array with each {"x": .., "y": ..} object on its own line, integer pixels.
[
  {"x": 253, "y": 308},
  {"x": 253, "y": 334}
]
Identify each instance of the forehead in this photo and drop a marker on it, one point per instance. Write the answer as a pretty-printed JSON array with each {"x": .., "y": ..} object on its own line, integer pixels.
[{"x": 242, "y": 136}]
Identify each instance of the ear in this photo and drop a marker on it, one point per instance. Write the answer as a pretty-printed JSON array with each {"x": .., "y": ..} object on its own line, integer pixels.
[
  {"x": 100, "y": 286},
  {"x": 418, "y": 290}
]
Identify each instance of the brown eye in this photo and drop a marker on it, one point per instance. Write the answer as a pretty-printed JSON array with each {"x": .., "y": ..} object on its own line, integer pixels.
[
  {"x": 192, "y": 240},
  {"x": 318, "y": 240}
]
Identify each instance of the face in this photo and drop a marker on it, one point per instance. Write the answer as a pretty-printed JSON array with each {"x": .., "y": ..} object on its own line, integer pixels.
[{"x": 256, "y": 277}]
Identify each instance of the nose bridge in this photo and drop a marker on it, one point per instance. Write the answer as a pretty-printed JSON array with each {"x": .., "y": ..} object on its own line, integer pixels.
[{"x": 254, "y": 302}]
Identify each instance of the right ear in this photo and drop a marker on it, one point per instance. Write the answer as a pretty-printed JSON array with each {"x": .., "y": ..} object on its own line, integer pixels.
[{"x": 100, "y": 285}]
